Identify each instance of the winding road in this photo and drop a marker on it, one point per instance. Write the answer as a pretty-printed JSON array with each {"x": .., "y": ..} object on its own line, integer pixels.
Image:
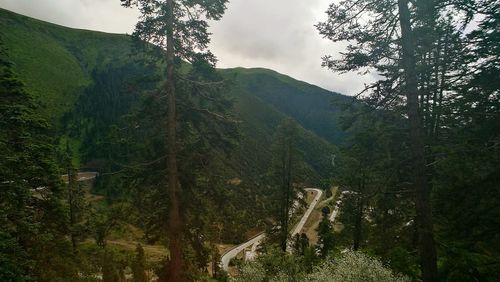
[
  {"x": 236, "y": 250},
  {"x": 254, "y": 242},
  {"x": 308, "y": 212}
]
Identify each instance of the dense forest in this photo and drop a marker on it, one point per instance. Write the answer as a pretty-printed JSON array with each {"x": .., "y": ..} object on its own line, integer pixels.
[{"x": 133, "y": 158}]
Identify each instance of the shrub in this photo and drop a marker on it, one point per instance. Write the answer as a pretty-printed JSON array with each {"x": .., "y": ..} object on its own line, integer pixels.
[
  {"x": 353, "y": 267},
  {"x": 251, "y": 272}
]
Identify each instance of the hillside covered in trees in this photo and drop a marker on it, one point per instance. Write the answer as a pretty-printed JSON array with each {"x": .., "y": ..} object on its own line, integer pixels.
[{"x": 133, "y": 158}]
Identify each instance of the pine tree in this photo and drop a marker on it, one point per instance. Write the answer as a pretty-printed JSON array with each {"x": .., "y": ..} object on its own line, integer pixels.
[
  {"x": 423, "y": 188},
  {"x": 285, "y": 163},
  {"x": 178, "y": 27},
  {"x": 431, "y": 77},
  {"x": 33, "y": 220},
  {"x": 388, "y": 43},
  {"x": 467, "y": 156},
  {"x": 326, "y": 239},
  {"x": 139, "y": 265}
]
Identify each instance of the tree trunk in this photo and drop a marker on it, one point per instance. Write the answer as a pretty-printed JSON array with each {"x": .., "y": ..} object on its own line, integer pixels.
[
  {"x": 72, "y": 178},
  {"x": 358, "y": 220},
  {"x": 358, "y": 224},
  {"x": 423, "y": 190},
  {"x": 174, "y": 221},
  {"x": 284, "y": 187},
  {"x": 288, "y": 191}
]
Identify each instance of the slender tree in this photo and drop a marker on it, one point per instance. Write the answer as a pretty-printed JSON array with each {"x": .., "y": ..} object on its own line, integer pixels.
[
  {"x": 422, "y": 186},
  {"x": 326, "y": 239},
  {"x": 178, "y": 27},
  {"x": 139, "y": 265},
  {"x": 284, "y": 168},
  {"x": 72, "y": 185},
  {"x": 174, "y": 222}
]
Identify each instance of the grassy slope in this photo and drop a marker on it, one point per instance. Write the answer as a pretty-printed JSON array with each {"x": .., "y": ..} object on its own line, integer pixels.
[{"x": 56, "y": 64}]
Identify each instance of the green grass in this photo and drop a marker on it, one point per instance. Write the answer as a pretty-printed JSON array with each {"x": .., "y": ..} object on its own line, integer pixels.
[{"x": 55, "y": 62}]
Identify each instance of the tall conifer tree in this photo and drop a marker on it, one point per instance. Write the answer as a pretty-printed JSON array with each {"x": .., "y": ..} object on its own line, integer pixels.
[
  {"x": 33, "y": 244},
  {"x": 179, "y": 28}
]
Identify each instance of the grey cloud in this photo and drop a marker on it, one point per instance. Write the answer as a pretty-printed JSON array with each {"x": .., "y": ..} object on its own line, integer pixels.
[
  {"x": 103, "y": 15},
  {"x": 280, "y": 34},
  {"x": 262, "y": 27}
]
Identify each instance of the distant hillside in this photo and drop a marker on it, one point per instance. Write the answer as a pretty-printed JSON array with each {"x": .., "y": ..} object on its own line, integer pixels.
[
  {"x": 65, "y": 67},
  {"x": 313, "y": 107}
]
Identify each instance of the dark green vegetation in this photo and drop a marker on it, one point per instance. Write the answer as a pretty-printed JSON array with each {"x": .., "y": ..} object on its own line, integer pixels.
[
  {"x": 32, "y": 243},
  {"x": 101, "y": 100},
  {"x": 423, "y": 158},
  {"x": 418, "y": 163}
]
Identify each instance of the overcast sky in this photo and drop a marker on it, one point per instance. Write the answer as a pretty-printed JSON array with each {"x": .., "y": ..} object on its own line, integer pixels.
[{"x": 275, "y": 34}]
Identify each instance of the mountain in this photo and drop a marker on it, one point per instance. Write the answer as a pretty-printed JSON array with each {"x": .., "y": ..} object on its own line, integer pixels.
[{"x": 65, "y": 68}]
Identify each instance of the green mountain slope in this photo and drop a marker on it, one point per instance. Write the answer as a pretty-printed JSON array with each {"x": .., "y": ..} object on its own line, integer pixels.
[
  {"x": 55, "y": 62},
  {"x": 66, "y": 67},
  {"x": 313, "y": 107}
]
